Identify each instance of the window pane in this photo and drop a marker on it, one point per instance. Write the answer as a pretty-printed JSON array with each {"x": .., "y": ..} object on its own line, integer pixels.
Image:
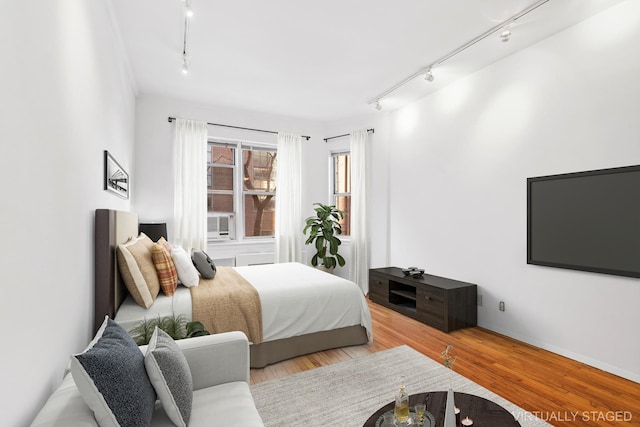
[
  {"x": 220, "y": 178},
  {"x": 259, "y": 215},
  {"x": 220, "y": 203},
  {"x": 344, "y": 204},
  {"x": 342, "y": 170},
  {"x": 220, "y": 155},
  {"x": 259, "y": 170}
]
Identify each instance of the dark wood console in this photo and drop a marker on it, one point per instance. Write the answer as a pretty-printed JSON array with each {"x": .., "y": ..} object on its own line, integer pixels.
[{"x": 445, "y": 304}]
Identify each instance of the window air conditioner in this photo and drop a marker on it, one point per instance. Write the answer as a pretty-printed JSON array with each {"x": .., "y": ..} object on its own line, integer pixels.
[{"x": 221, "y": 226}]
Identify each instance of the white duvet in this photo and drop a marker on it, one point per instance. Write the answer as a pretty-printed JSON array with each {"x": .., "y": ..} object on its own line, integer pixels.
[{"x": 296, "y": 299}]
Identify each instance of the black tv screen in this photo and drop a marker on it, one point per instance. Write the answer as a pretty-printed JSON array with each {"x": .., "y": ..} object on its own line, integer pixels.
[{"x": 586, "y": 221}]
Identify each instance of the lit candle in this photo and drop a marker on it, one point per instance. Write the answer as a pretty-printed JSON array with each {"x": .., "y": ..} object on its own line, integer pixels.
[
  {"x": 467, "y": 422},
  {"x": 457, "y": 411}
]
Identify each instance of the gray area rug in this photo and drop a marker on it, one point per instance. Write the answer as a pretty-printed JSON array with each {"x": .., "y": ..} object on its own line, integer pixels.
[{"x": 348, "y": 393}]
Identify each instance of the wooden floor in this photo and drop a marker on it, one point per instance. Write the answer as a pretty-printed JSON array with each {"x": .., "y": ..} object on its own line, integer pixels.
[{"x": 561, "y": 391}]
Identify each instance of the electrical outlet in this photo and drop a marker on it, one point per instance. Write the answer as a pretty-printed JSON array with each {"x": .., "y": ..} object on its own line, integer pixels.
[
  {"x": 480, "y": 300},
  {"x": 501, "y": 305}
]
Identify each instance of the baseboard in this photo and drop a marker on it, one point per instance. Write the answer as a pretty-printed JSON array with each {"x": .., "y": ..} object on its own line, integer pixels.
[{"x": 623, "y": 373}]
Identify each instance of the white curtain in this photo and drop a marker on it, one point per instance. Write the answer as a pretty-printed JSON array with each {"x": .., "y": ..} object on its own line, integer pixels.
[
  {"x": 359, "y": 270},
  {"x": 288, "y": 199},
  {"x": 190, "y": 184}
]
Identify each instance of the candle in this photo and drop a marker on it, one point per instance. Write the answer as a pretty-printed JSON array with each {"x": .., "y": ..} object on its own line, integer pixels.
[
  {"x": 467, "y": 422},
  {"x": 457, "y": 411}
]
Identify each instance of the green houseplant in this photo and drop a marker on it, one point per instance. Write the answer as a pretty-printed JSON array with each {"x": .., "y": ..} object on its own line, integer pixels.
[
  {"x": 322, "y": 230},
  {"x": 177, "y": 327}
]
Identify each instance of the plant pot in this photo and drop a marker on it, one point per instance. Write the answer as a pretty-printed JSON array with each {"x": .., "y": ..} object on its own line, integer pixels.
[{"x": 325, "y": 269}]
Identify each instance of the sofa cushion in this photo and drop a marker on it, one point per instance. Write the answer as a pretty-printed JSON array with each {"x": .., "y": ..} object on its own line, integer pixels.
[
  {"x": 170, "y": 375},
  {"x": 65, "y": 408},
  {"x": 112, "y": 378},
  {"x": 229, "y": 404}
]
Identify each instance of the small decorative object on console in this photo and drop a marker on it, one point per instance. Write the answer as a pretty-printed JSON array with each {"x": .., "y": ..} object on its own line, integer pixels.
[{"x": 413, "y": 271}]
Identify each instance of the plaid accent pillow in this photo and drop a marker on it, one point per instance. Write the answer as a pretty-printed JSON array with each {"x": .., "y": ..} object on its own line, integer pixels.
[
  {"x": 165, "y": 245},
  {"x": 166, "y": 269}
]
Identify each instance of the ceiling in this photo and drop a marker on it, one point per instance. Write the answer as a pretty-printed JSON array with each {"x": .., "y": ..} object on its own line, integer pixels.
[{"x": 323, "y": 60}]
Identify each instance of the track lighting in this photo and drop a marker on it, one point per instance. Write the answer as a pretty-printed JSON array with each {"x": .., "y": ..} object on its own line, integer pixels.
[
  {"x": 506, "y": 34},
  {"x": 428, "y": 75},
  {"x": 186, "y": 59},
  {"x": 503, "y": 28},
  {"x": 185, "y": 64},
  {"x": 378, "y": 106},
  {"x": 188, "y": 12}
]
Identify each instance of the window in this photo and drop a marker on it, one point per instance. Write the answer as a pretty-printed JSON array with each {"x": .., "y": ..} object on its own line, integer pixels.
[
  {"x": 232, "y": 163},
  {"x": 341, "y": 192},
  {"x": 259, "y": 191}
]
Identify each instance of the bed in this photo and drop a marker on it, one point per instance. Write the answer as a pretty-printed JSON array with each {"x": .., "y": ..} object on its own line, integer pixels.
[{"x": 304, "y": 310}]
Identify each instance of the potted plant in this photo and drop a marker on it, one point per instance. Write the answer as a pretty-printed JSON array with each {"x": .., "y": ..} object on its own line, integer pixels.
[{"x": 322, "y": 230}]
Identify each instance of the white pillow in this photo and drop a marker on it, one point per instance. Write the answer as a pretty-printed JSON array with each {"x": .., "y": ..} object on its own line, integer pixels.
[{"x": 187, "y": 272}]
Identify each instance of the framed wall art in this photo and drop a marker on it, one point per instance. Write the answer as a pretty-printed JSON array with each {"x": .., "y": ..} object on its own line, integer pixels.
[{"x": 116, "y": 180}]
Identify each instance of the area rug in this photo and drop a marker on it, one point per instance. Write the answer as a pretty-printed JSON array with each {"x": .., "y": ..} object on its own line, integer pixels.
[{"x": 346, "y": 394}]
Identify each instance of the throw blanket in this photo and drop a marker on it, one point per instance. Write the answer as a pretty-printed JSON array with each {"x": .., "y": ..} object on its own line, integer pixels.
[{"x": 228, "y": 303}]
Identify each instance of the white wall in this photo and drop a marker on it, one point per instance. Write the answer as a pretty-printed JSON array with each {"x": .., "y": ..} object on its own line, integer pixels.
[
  {"x": 154, "y": 159},
  {"x": 65, "y": 98},
  {"x": 459, "y": 162}
]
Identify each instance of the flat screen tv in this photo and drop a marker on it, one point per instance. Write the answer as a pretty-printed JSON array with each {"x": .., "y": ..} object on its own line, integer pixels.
[{"x": 586, "y": 221}]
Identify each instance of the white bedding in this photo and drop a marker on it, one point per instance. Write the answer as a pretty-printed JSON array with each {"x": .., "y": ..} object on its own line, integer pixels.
[{"x": 296, "y": 299}]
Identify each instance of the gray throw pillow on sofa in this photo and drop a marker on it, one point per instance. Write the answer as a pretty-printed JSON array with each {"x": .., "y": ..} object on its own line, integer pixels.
[
  {"x": 112, "y": 378},
  {"x": 170, "y": 375}
]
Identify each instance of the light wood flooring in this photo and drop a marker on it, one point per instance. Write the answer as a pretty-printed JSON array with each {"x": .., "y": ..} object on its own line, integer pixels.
[{"x": 560, "y": 390}]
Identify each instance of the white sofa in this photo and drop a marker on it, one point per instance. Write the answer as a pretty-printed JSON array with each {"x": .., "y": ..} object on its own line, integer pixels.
[{"x": 220, "y": 369}]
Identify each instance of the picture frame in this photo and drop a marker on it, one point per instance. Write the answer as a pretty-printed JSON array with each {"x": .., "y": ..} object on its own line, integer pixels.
[{"x": 116, "y": 179}]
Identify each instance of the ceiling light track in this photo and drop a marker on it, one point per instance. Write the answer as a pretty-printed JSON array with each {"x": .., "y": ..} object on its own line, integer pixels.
[
  {"x": 505, "y": 33},
  {"x": 186, "y": 58}
]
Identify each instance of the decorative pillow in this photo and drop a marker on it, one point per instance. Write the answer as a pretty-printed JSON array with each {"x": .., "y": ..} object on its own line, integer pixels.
[
  {"x": 137, "y": 270},
  {"x": 187, "y": 273},
  {"x": 204, "y": 264},
  {"x": 167, "y": 247},
  {"x": 170, "y": 375},
  {"x": 112, "y": 379},
  {"x": 167, "y": 274}
]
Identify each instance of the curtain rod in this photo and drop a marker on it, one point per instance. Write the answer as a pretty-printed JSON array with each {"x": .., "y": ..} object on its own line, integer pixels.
[
  {"x": 372, "y": 130},
  {"x": 240, "y": 127}
]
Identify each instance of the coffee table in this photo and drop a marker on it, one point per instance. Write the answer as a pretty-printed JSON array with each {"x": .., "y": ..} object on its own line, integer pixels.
[{"x": 482, "y": 411}]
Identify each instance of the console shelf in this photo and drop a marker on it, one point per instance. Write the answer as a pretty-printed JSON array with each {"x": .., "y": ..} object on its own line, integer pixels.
[{"x": 445, "y": 304}]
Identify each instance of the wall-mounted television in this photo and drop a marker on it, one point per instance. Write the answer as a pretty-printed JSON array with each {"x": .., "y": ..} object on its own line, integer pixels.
[{"x": 586, "y": 221}]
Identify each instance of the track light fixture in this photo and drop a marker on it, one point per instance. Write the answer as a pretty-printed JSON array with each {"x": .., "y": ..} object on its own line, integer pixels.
[
  {"x": 505, "y": 34},
  {"x": 186, "y": 59},
  {"x": 378, "y": 106},
  {"x": 428, "y": 75},
  {"x": 185, "y": 64},
  {"x": 188, "y": 12}
]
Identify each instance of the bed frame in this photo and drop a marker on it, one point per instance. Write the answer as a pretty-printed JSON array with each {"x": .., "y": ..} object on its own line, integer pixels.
[{"x": 115, "y": 227}]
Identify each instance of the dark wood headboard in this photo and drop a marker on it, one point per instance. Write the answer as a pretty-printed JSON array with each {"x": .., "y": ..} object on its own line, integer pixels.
[{"x": 111, "y": 229}]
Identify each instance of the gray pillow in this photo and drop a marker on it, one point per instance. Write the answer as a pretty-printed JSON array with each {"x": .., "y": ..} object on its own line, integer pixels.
[
  {"x": 112, "y": 379},
  {"x": 204, "y": 264},
  {"x": 170, "y": 375}
]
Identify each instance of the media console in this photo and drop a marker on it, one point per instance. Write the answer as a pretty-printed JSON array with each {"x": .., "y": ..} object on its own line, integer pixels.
[{"x": 442, "y": 303}]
